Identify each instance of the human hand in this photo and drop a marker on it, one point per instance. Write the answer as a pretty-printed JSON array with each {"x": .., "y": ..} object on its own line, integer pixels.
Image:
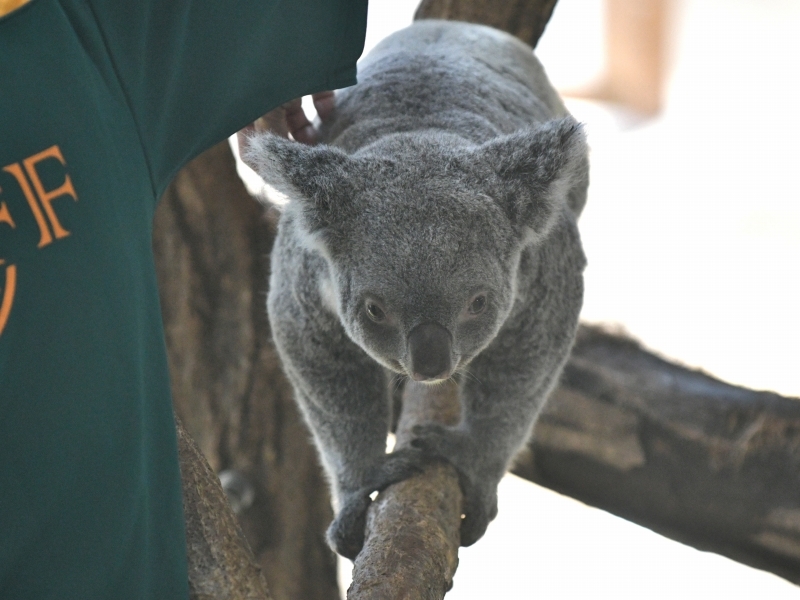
[
  {"x": 299, "y": 126},
  {"x": 291, "y": 119}
]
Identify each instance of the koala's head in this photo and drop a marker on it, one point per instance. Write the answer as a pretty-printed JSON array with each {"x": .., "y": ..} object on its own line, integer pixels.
[{"x": 422, "y": 234}]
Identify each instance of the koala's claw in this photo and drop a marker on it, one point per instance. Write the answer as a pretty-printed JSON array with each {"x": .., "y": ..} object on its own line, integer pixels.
[
  {"x": 478, "y": 513},
  {"x": 480, "y": 495},
  {"x": 346, "y": 533}
]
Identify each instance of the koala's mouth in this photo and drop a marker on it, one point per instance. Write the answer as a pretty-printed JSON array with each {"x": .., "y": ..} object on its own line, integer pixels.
[{"x": 441, "y": 377}]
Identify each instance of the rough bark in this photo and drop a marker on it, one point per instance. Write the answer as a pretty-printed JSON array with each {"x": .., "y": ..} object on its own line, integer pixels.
[
  {"x": 212, "y": 244},
  {"x": 695, "y": 459},
  {"x": 525, "y": 19},
  {"x": 412, "y": 535},
  {"x": 221, "y": 565}
]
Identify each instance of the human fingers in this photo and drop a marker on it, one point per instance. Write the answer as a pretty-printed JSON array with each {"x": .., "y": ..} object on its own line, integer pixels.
[
  {"x": 299, "y": 126},
  {"x": 324, "y": 103}
]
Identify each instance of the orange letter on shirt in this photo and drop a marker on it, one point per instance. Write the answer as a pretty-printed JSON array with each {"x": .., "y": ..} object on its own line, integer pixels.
[
  {"x": 46, "y": 197},
  {"x": 45, "y": 237},
  {"x": 7, "y": 298}
]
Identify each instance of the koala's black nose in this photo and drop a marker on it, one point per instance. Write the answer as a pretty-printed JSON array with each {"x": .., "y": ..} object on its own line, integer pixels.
[{"x": 429, "y": 346}]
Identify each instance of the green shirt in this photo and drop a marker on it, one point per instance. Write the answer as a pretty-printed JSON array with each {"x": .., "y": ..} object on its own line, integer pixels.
[{"x": 101, "y": 102}]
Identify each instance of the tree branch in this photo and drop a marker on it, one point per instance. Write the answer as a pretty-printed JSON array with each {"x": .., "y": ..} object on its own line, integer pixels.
[
  {"x": 525, "y": 19},
  {"x": 412, "y": 535},
  {"x": 706, "y": 463},
  {"x": 221, "y": 565}
]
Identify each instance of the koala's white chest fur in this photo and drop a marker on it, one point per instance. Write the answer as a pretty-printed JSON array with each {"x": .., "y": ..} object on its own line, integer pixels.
[{"x": 434, "y": 229}]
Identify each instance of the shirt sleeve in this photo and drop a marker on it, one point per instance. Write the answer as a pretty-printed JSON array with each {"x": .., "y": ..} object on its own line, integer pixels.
[{"x": 195, "y": 71}]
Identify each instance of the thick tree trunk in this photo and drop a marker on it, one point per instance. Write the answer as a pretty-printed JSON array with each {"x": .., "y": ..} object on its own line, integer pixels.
[
  {"x": 212, "y": 245},
  {"x": 525, "y": 19},
  {"x": 221, "y": 565},
  {"x": 697, "y": 460}
]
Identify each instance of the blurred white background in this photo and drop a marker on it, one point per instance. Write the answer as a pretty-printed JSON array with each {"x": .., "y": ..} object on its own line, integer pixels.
[{"x": 692, "y": 230}]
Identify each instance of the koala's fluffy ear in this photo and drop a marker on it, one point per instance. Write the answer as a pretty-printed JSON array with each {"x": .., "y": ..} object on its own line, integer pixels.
[
  {"x": 538, "y": 170},
  {"x": 321, "y": 178}
]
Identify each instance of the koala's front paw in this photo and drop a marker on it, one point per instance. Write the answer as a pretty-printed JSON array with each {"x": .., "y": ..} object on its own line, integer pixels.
[
  {"x": 480, "y": 508},
  {"x": 480, "y": 493},
  {"x": 346, "y": 533},
  {"x": 396, "y": 466}
]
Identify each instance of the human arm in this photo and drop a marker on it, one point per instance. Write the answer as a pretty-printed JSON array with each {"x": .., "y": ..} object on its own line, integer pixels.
[{"x": 195, "y": 72}]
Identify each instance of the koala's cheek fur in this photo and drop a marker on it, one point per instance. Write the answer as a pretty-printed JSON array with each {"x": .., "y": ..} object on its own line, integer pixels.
[
  {"x": 472, "y": 337},
  {"x": 384, "y": 344}
]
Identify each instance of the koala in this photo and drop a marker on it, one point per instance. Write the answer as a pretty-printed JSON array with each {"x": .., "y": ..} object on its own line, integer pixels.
[{"x": 432, "y": 235}]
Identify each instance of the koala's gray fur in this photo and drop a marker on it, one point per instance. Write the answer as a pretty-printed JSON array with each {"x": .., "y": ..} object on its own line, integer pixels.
[{"x": 433, "y": 234}]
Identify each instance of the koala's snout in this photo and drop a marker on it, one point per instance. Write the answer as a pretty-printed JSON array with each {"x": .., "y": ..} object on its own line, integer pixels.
[{"x": 429, "y": 345}]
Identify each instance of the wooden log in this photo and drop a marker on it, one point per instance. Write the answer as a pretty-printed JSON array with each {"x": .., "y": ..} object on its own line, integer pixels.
[{"x": 706, "y": 463}]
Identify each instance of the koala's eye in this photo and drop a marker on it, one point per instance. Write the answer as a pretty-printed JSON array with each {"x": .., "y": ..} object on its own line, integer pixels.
[
  {"x": 375, "y": 312},
  {"x": 478, "y": 305}
]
